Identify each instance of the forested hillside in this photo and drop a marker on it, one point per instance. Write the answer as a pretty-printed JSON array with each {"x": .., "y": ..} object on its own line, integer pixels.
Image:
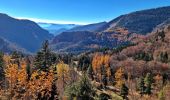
[
  {"x": 123, "y": 30},
  {"x": 135, "y": 72},
  {"x": 127, "y": 58},
  {"x": 141, "y": 22}
]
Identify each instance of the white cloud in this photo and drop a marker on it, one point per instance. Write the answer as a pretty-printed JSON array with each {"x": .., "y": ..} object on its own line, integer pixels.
[{"x": 52, "y": 21}]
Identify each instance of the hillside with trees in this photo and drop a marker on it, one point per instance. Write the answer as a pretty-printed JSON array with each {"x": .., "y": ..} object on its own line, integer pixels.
[
  {"x": 123, "y": 30},
  {"x": 128, "y": 60},
  {"x": 135, "y": 72},
  {"x": 141, "y": 22}
]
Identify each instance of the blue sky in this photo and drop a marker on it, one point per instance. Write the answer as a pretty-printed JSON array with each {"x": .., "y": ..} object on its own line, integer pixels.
[{"x": 75, "y": 11}]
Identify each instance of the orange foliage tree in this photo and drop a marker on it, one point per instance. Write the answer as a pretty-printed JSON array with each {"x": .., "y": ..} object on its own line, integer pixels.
[
  {"x": 119, "y": 77},
  {"x": 19, "y": 87},
  {"x": 98, "y": 61}
]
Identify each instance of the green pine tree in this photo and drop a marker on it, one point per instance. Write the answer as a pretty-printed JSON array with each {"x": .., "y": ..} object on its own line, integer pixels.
[
  {"x": 2, "y": 74},
  {"x": 148, "y": 79},
  {"x": 44, "y": 58},
  {"x": 148, "y": 89},
  {"x": 148, "y": 83},
  {"x": 53, "y": 92},
  {"x": 104, "y": 76},
  {"x": 124, "y": 91},
  {"x": 162, "y": 35},
  {"x": 164, "y": 78},
  {"x": 164, "y": 57},
  {"x": 16, "y": 56},
  {"x": 84, "y": 62},
  {"x": 104, "y": 96},
  {"x": 85, "y": 88},
  {"x": 82, "y": 89},
  {"x": 28, "y": 69},
  {"x": 142, "y": 86},
  {"x": 90, "y": 72}
]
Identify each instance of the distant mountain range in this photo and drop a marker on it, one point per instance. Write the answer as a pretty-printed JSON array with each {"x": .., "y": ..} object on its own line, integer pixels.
[
  {"x": 27, "y": 36},
  {"x": 96, "y": 27},
  {"x": 56, "y": 29}
]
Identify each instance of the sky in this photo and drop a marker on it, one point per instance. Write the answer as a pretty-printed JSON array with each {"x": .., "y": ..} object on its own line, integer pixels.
[{"x": 75, "y": 11}]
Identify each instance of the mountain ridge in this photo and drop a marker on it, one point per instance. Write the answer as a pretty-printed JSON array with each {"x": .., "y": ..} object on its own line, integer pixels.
[
  {"x": 126, "y": 28},
  {"x": 137, "y": 21},
  {"x": 94, "y": 27},
  {"x": 25, "y": 33}
]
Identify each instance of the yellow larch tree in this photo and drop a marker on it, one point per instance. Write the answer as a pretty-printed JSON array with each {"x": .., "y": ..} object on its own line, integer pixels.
[
  {"x": 98, "y": 62},
  {"x": 119, "y": 77},
  {"x": 21, "y": 88},
  {"x": 63, "y": 76}
]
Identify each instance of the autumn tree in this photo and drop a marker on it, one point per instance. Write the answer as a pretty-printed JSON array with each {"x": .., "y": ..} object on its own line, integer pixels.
[
  {"x": 98, "y": 62},
  {"x": 16, "y": 78},
  {"x": 39, "y": 90},
  {"x": 19, "y": 87},
  {"x": 63, "y": 74},
  {"x": 119, "y": 77},
  {"x": 96, "y": 65}
]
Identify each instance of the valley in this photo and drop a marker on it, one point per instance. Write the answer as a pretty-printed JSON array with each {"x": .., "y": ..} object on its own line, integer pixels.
[{"x": 127, "y": 58}]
